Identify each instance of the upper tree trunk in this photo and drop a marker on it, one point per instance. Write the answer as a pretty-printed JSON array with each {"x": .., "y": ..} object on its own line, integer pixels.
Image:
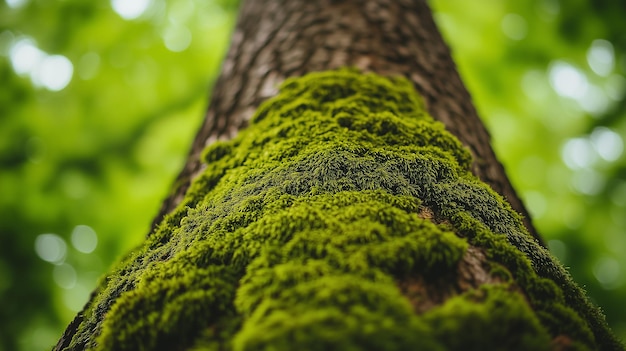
[
  {"x": 277, "y": 39},
  {"x": 343, "y": 217}
]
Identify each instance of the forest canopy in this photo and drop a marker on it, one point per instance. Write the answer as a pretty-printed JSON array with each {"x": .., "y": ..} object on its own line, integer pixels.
[{"x": 100, "y": 101}]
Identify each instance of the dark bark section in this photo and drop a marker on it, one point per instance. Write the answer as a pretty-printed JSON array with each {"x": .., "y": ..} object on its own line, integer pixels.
[{"x": 277, "y": 39}]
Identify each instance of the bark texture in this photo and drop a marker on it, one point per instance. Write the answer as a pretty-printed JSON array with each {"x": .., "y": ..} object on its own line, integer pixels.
[{"x": 277, "y": 39}]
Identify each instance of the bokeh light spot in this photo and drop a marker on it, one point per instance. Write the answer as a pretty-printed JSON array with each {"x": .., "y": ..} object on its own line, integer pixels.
[
  {"x": 54, "y": 73},
  {"x": 50, "y": 248},
  {"x": 567, "y": 80},
  {"x": 601, "y": 57},
  {"x": 16, "y": 3},
  {"x": 595, "y": 101},
  {"x": 177, "y": 38},
  {"x": 181, "y": 11},
  {"x": 75, "y": 298},
  {"x": 607, "y": 271},
  {"x": 615, "y": 87},
  {"x": 588, "y": 182},
  {"x": 64, "y": 275},
  {"x": 514, "y": 26},
  {"x": 25, "y": 56},
  {"x": 607, "y": 143},
  {"x": 578, "y": 153},
  {"x": 84, "y": 238},
  {"x": 534, "y": 84},
  {"x": 130, "y": 9}
]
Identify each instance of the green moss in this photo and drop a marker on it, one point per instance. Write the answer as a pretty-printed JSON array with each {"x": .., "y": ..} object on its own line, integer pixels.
[
  {"x": 344, "y": 312},
  {"x": 299, "y": 230},
  {"x": 492, "y": 318}
]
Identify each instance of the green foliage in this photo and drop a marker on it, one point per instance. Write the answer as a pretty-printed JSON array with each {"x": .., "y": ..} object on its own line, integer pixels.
[
  {"x": 300, "y": 229},
  {"x": 100, "y": 153}
]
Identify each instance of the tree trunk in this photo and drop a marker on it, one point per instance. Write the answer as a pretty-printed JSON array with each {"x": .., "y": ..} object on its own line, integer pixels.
[
  {"x": 342, "y": 216},
  {"x": 277, "y": 39}
]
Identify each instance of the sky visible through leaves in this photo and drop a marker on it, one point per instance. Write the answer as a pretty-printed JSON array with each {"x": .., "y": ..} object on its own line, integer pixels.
[{"x": 100, "y": 100}]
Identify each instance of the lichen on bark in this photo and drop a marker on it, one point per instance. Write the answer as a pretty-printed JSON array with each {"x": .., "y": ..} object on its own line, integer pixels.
[{"x": 300, "y": 233}]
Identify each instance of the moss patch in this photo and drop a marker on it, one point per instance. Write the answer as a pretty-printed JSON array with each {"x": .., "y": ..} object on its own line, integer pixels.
[
  {"x": 299, "y": 229},
  {"x": 491, "y": 318}
]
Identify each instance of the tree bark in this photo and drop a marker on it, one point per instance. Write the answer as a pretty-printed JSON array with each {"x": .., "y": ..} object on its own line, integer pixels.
[
  {"x": 291, "y": 237},
  {"x": 277, "y": 39}
]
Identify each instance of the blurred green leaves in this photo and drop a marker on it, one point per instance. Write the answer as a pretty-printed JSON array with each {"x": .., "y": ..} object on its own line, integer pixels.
[{"x": 85, "y": 163}]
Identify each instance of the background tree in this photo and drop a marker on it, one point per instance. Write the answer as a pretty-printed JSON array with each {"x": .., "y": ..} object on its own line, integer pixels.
[{"x": 64, "y": 169}]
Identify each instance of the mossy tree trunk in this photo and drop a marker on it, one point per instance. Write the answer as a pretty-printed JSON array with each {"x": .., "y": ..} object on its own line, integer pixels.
[
  {"x": 277, "y": 39},
  {"x": 354, "y": 208}
]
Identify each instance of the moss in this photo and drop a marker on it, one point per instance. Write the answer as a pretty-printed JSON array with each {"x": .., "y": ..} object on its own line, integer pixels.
[
  {"x": 166, "y": 307},
  {"x": 345, "y": 312},
  {"x": 493, "y": 317},
  {"x": 298, "y": 231}
]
